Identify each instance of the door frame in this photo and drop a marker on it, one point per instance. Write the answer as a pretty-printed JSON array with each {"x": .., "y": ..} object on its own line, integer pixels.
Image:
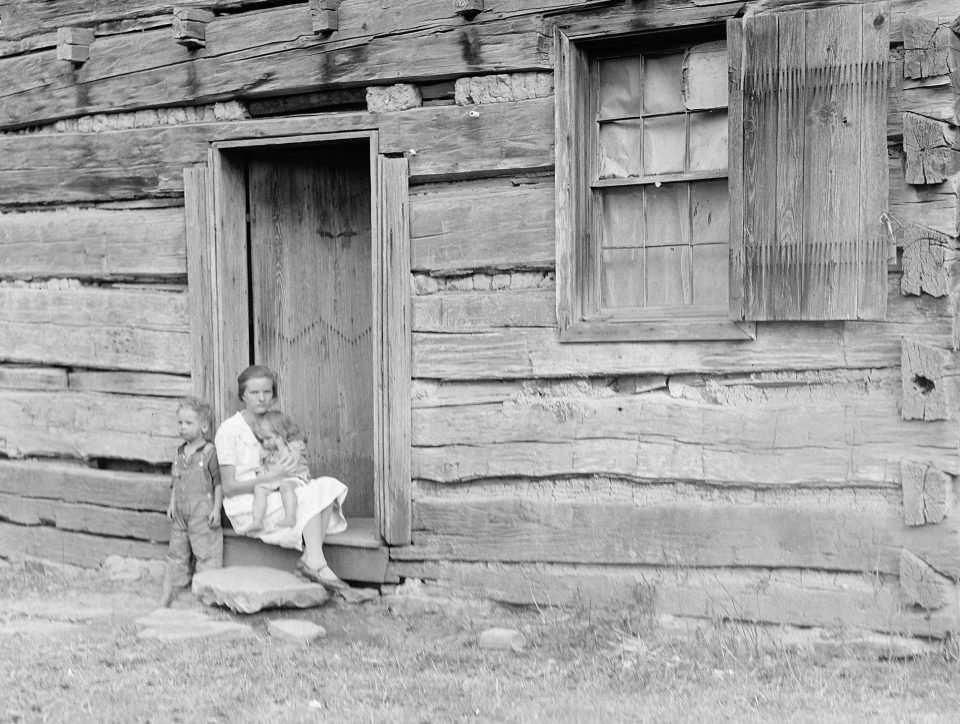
[{"x": 216, "y": 230}]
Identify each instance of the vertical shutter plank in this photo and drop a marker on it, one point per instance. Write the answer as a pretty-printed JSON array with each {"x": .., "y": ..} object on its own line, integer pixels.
[
  {"x": 787, "y": 281},
  {"x": 760, "y": 175},
  {"x": 735, "y": 166},
  {"x": 874, "y": 169},
  {"x": 832, "y": 157}
]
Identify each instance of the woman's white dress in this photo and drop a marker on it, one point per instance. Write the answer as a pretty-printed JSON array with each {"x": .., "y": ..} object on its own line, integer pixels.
[{"x": 239, "y": 447}]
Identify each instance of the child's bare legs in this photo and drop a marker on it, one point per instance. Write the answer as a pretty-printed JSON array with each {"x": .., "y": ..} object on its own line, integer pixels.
[
  {"x": 260, "y": 493},
  {"x": 288, "y": 494}
]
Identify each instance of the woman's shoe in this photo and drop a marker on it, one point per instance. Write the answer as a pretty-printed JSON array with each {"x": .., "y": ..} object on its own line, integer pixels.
[{"x": 323, "y": 575}]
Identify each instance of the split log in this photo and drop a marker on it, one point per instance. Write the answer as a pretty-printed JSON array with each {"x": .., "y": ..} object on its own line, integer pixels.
[
  {"x": 932, "y": 149},
  {"x": 33, "y": 378},
  {"x": 482, "y": 225},
  {"x": 95, "y": 327},
  {"x": 780, "y": 597},
  {"x": 72, "y": 483},
  {"x": 924, "y": 256},
  {"x": 936, "y": 206},
  {"x": 137, "y": 163},
  {"x": 921, "y": 584},
  {"x": 93, "y": 244},
  {"x": 707, "y": 534},
  {"x": 925, "y": 395},
  {"x": 927, "y": 493},
  {"x": 130, "y": 383},
  {"x": 95, "y": 519},
  {"x": 76, "y": 549},
  {"x": 465, "y": 312},
  {"x": 88, "y": 425},
  {"x": 927, "y": 47}
]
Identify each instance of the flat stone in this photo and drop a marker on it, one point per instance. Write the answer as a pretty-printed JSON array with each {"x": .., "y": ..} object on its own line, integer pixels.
[
  {"x": 38, "y": 627},
  {"x": 296, "y": 631},
  {"x": 248, "y": 589},
  {"x": 166, "y": 624},
  {"x": 502, "y": 638}
]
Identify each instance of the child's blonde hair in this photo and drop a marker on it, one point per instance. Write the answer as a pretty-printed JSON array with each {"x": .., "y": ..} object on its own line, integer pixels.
[
  {"x": 204, "y": 413},
  {"x": 282, "y": 425}
]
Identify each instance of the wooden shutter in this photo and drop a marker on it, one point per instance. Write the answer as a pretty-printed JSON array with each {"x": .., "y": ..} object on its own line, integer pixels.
[
  {"x": 392, "y": 351},
  {"x": 808, "y": 164},
  {"x": 204, "y": 317}
]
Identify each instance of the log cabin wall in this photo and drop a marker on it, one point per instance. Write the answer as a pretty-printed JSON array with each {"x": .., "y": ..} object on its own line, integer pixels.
[{"x": 806, "y": 477}]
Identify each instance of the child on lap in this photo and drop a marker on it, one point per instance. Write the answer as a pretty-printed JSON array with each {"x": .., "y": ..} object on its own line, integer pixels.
[{"x": 280, "y": 437}]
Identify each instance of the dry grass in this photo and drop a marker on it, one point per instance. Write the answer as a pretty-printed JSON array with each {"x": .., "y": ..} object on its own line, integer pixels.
[{"x": 377, "y": 665}]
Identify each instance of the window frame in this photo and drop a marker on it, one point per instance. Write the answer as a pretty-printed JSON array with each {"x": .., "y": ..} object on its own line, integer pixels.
[{"x": 578, "y": 215}]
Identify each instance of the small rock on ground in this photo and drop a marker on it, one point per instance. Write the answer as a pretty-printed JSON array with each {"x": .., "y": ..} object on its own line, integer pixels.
[
  {"x": 295, "y": 631},
  {"x": 166, "y": 624},
  {"x": 502, "y": 638},
  {"x": 358, "y": 595},
  {"x": 248, "y": 589}
]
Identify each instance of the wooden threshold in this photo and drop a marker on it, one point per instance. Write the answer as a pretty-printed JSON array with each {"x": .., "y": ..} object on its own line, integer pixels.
[{"x": 356, "y": 555}]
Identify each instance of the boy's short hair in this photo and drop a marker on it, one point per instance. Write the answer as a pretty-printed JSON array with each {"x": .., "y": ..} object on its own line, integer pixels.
[
  {"x": 203, "y": 410},
  {"x": 282, "y": 424}
]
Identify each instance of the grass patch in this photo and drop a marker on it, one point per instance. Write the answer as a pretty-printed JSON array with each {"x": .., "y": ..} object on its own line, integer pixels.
[{"x": 379, "y": 665}]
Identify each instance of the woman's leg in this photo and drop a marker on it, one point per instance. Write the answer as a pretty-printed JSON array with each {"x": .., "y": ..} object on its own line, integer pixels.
[{"x": 313, "y": 533}]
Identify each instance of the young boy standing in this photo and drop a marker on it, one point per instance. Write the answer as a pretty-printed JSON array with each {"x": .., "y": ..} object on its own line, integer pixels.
[{"x": 195, "y": 500}]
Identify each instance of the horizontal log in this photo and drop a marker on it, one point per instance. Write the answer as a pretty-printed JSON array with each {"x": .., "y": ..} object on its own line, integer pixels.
[
  {"x": 136, "y": 163},
  {"x": 33, "y": 378},
  {"x": 80, "y": 484},
  {"x": 868, "y": 539},
  {"x": 492, "y": 225},
  {"x": 780, "y": 597},
  {"x": 95, "y": 519},
  {"x": 93, "y": 244},
  {"x": 826, "y": 438},
  {"x": 69, "y": 547},
  {"x": 468, "y": 311},
  {"x": 131, "y": 383},
  {"x": 95, "y": 327},
  {"x": 936, "y": 206},
  {"x": 88, "y": 425}
]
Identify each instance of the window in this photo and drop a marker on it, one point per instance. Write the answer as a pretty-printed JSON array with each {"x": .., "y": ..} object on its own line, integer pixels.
[{"x": 687, "y": 211}]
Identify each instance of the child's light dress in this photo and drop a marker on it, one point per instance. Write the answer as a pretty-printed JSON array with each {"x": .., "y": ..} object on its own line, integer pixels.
[{"x": 238, "y": 446}]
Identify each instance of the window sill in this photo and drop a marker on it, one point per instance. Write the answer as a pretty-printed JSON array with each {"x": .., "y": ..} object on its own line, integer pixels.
[{"x": 691, "y": 329}]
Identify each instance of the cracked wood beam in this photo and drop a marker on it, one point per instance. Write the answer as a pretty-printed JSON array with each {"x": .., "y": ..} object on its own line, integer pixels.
[
  {"x": 927, "y": 45},
  {"x": 924, "y": 394},
  {"x": 190, "y": 27},
  {"x": 932, "y": 149},
  {"x": 927, "y": 493},
  {"x": 73, "y": 44},
  {"x": 921, "y": 583},
  {"x": 924, "y": 259}
]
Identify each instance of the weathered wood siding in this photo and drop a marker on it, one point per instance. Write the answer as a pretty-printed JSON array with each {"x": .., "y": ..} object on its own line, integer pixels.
[{"x": 760, "y": 479}]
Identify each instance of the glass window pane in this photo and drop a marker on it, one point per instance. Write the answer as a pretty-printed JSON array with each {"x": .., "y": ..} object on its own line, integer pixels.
[
  {"x": 662, "y": 83},
  {"x": 620, "y": 87},
  {"x": 622, "y": 217},
  {"x": 708, "y": 141},
  {"x": 710, "y": 212},
  {"x": 710, "y": 275},
  {"x": 705, "y": 76},
  {"x": 620, "y": 149},
  {"x": 621, "y": 278},
  {"x": 664, "y": 144},
  {"x": 668, "y": 277},
  {"x": 667, "y": 216}
]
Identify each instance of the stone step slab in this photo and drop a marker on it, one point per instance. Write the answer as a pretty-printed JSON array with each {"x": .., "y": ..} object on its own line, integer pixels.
[{"x": 248, "y": 589}]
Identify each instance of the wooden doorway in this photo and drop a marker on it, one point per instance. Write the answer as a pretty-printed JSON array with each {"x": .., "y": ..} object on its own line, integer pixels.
[
  {"x": 311, "y": 300},
  {"x": 298, "y": 257}
]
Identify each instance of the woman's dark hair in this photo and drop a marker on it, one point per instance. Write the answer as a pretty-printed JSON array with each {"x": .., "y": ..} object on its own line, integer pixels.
[{"x": 256, "y": 372}]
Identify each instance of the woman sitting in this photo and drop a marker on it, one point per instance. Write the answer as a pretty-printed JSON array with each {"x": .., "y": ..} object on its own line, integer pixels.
[{"x": 239, "y": 453}]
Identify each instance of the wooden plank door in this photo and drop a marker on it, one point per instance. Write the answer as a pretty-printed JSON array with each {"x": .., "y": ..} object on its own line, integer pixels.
[{"x": 312, "y": 301}]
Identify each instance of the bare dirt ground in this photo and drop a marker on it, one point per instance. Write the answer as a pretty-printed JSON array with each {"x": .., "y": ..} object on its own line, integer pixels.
[{"x": 70, "y": 651}]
